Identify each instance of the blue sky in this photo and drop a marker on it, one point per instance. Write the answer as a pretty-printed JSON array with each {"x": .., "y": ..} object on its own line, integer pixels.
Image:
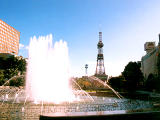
[{"x": 126, "y": 26}]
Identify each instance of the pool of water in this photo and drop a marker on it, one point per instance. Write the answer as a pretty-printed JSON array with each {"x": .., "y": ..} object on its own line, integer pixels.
[{"x": 101, "y": 105}]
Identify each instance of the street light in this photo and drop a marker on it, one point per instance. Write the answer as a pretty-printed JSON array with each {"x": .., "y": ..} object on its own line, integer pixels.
[{"x": 86, "y": 67}]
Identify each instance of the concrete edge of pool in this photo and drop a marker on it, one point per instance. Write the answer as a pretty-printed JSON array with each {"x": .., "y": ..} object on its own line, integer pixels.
[{"x": 153, "y": 115}]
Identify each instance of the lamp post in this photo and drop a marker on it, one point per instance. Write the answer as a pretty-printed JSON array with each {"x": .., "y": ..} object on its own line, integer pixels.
[{"x": 86, "y": 67}]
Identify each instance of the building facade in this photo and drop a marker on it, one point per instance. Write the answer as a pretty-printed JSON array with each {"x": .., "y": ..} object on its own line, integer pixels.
[
  {"x": 150, "y": 60},
  {"x": 9, "y": 39}
]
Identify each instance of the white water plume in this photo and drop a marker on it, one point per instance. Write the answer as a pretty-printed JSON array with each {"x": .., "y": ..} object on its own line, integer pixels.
[{"x": 48, "y": 71}]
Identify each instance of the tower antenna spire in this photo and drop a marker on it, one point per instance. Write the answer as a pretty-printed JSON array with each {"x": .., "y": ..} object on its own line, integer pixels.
[
  {"x": 100, "y": 69},
  {"x": 100, "y": 27},
  {"x": 100, "y": 33}
]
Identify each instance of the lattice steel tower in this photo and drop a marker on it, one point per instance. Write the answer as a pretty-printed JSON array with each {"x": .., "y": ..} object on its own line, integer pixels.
[{"x": 100, "y": 69}]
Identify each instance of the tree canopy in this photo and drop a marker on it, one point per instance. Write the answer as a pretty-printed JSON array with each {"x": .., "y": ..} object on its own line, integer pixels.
[
  {"x": 10, "y": 67},
  {"x": 158, "y": 65},
  {"x": 117, "y": 82},
  {"x": 132, "y": 75}
]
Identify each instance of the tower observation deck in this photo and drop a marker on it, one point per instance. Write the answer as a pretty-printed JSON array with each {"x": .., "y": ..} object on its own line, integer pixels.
[{"x": 100, "y": 69}]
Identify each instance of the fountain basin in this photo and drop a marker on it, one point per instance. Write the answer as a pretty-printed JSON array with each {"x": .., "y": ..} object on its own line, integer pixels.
[
  {"x": 101, "y": 107},
  {"x": 102, "y": 115}
]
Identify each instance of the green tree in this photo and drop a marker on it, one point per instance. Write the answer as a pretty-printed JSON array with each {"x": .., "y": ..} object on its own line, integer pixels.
[
  {"x": 117, "y": 82},
  {"x": 1, "y": 77},
  {"x": 21, "y": 65},
  {"x": 17, "y": 82},
  {"x": 158, "y": 65},
  {"x": 132, "y": 75},
  {"x": 12, "y": 66},
  {"x": 150, "y": 82}
]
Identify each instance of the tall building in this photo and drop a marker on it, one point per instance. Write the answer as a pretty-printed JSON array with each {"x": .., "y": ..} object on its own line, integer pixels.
[
  {"x": 100, "y": 69},
  {"x": 9, "y": 39},
  {"x": 150, "y": 60}
]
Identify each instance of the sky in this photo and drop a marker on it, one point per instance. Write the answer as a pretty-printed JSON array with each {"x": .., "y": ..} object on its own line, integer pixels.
[{"x": 125, "y": 24}]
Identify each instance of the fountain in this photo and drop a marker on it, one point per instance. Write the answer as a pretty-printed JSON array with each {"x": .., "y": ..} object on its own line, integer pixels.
[
  {"x": 48, "y": 90},
  {"x": 48, "y": 71}
]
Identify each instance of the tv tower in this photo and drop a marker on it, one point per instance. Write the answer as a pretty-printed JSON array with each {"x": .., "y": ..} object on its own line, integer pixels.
[{"x": 100, "y": 69}]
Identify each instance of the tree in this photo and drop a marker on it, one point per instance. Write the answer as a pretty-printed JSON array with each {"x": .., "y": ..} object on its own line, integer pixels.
[
  {"x": 117, "y": 82},
  {"x": 84, "y": 83},
  {"x": 132, "y": 75},
  {"x": 21, "y": 65},
  {"x": 19, "y": 81},
  {"x": 150, "y": 82},
  {"x": 1, "y": 77},
  {"x": 158, "y": 65},
  {"x": 11, "y": 66}
]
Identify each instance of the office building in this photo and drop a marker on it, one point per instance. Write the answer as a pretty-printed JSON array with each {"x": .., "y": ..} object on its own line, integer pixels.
[
  {"x": 9, "y": 39},
  {"x": 150, "y": 60}
]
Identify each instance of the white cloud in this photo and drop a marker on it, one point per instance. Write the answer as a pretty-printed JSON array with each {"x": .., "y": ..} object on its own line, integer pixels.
[
  {"x": 21, "y": 46},
  {"x": 27, "y": 47}
]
